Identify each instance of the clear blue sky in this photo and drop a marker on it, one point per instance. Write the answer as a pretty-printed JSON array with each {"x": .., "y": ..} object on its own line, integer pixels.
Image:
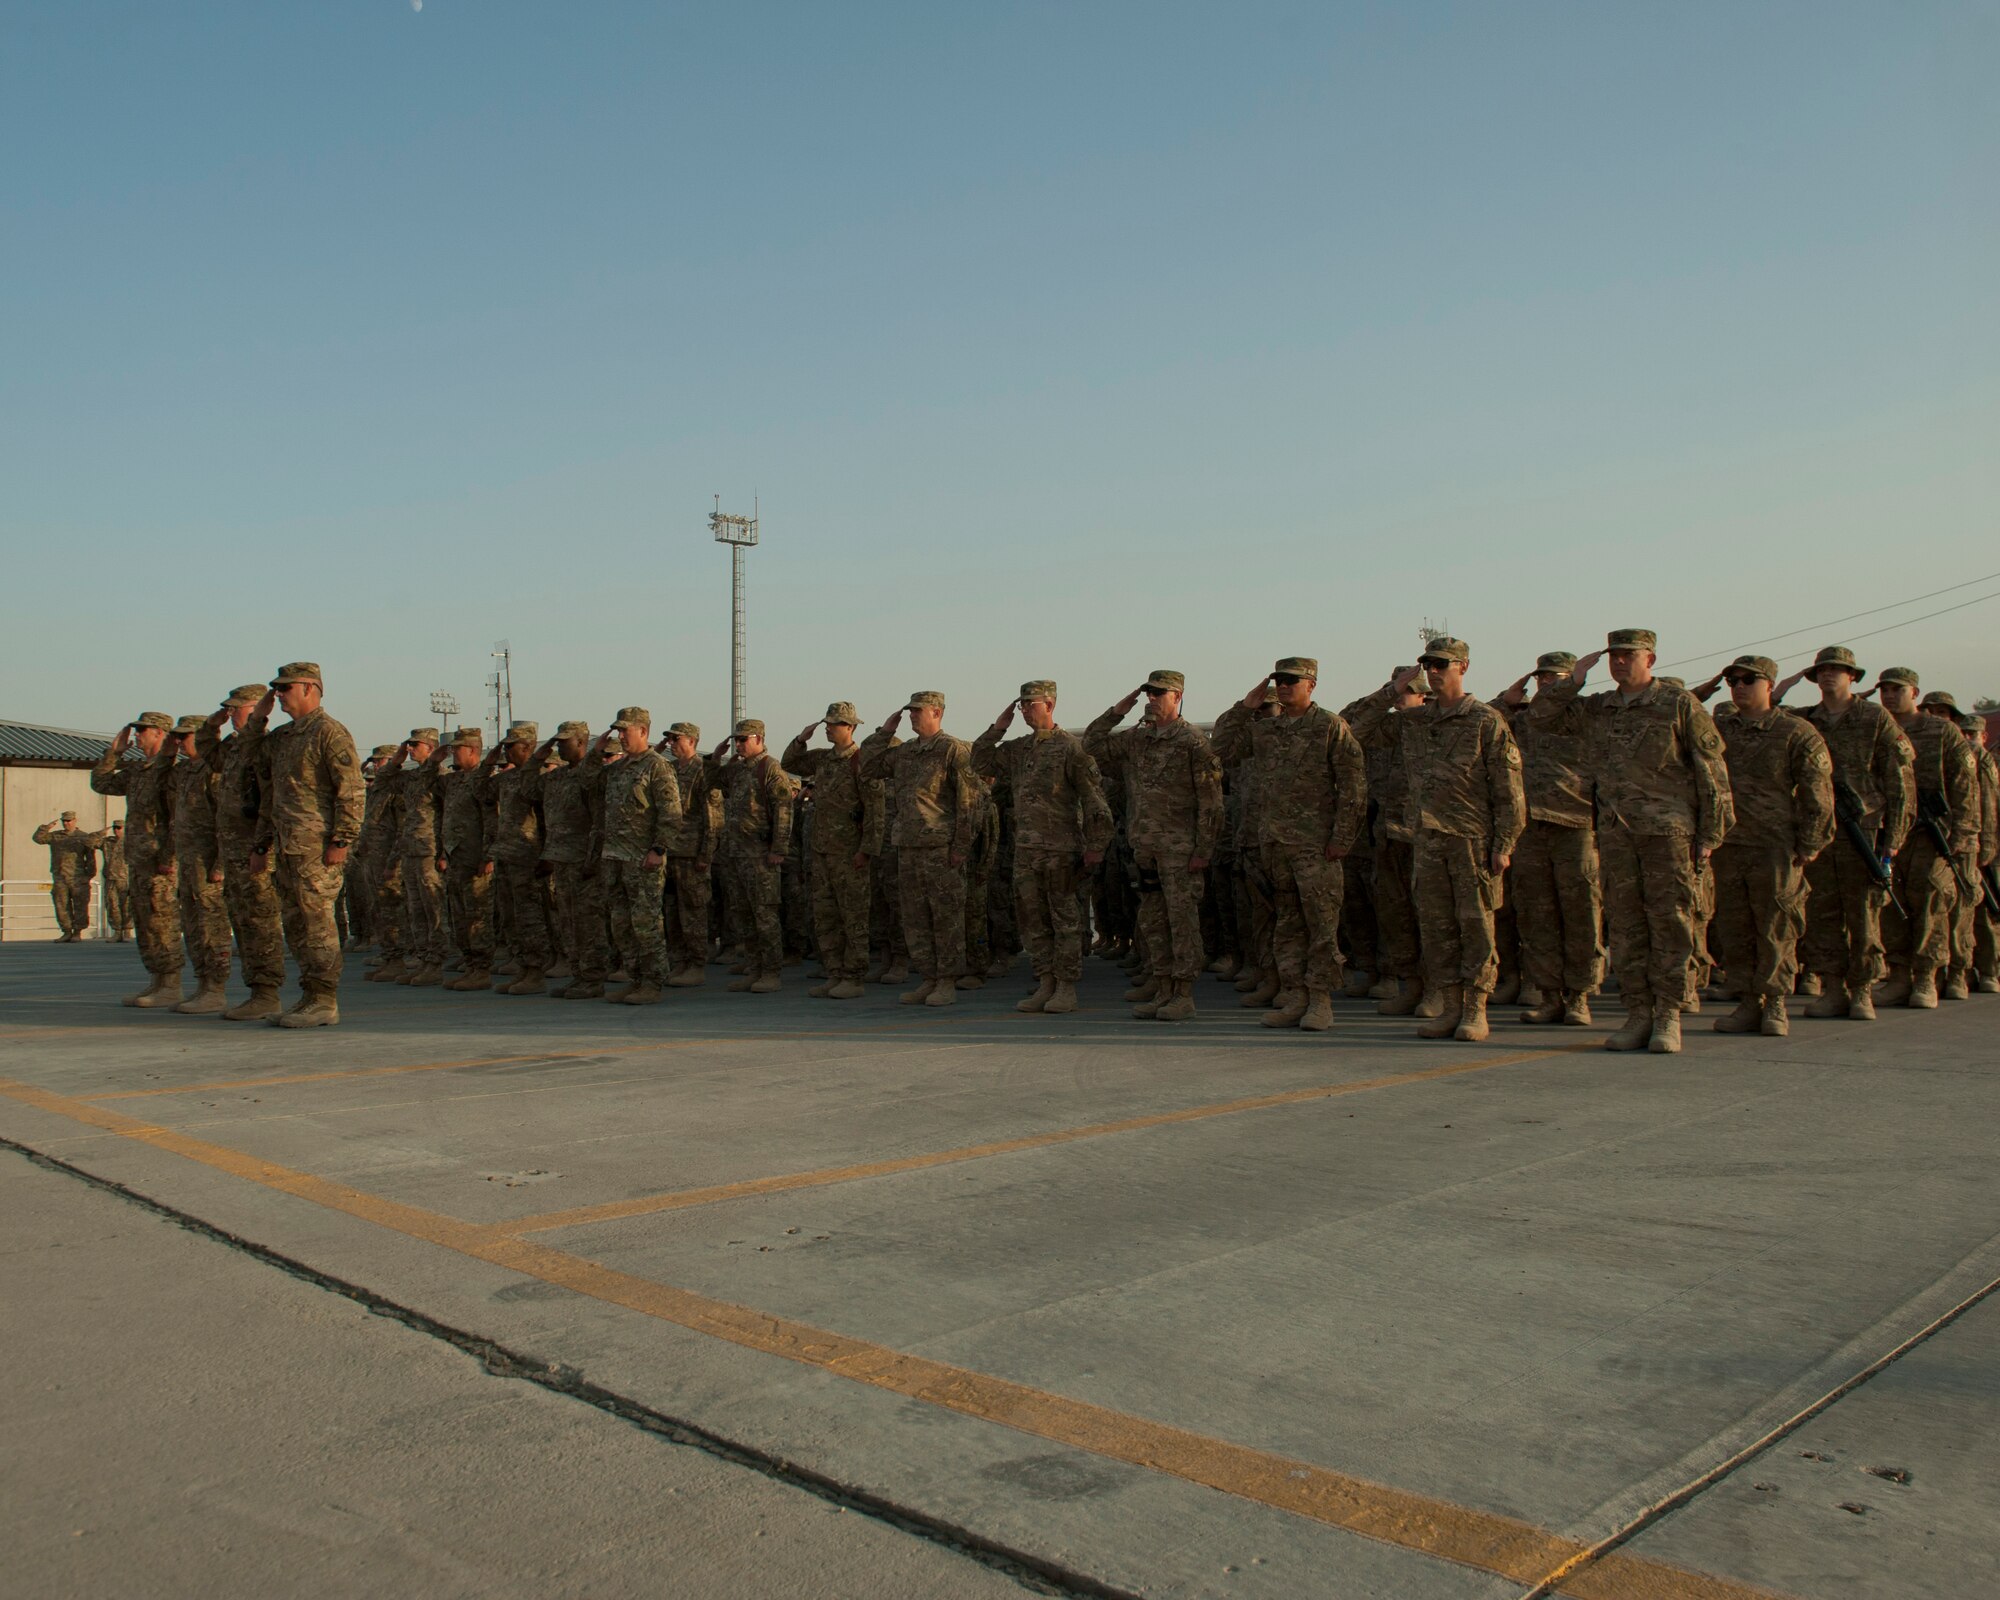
[{"x": 1058, "y": 339}]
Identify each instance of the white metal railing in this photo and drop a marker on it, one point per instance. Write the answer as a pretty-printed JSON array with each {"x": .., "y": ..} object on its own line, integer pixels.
[{"x": 27, "y": 912}]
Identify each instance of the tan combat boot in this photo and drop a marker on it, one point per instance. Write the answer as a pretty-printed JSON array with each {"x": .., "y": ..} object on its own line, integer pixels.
[
  {"x": 1358, "y": 984},
  {"x": 208, "y": 1000},
  {"x": 531, "y": 981},
  {"x": 1533, "y": 998},
  {"x": 1986, "y": 983},
  {"x": 688, "y": 978},
  {"x": 581, "y": 989},
  {"x": 429, "y": 976},
  {"x": 1508, "y": 990},
  {"x": 1860, "y": 1004},
  {"x": 819, "y": 991},
  {"x": 474, "y": 977},
  {"x": 1637, "y": 1028},
  {"x": 766, "y": 983},
  {"x": 560, "y": 969},
  {"x": 846, "y": 989},
  {"x": 1923, "y": 992},
  {"x": 918, "y": 995},
  {"x": 1831, "y": 1001},
  {"x": 1810, "y": 986},
  {"x": 1550, "y": 1010},
  {"x": 314, "y": 1011},
  {"x": 1472, "y": 1020},
  {"x": 1226, "y": 969},
  {"x": 1063, "y": 1000},
  {"x": 263, "y": 1002},
  {"x": 1045, "y": 991},
  {"x": 1746, "y": 1018},
  {"x": 1246, "y": 980},
  {"x": 943, "y": 993},
  {"x": 1665, "y": 1039},
  {"x": 1318, "y": 1015},
  {"x": 1261, "y": 996},
  {"x": 1894, "y": 990},
  {"x": 1404, "y": 1002},
  {"x": 1144, "y": 990},
  {"x": 1955, "y": 987},
  {"x": 1776, "y": 1024},
  {"x": 899, "y": 972},
  {"x": 389, "y": 971},
  {"x": 1287, "y": 1007},
  {"x": 1431, "y": 1005},
  {"x": 1451, "y": 1004},
  {"x": 1576, "y": 1010},
  {"x": 641, "y": 993},
  {"x": 164, "y": 994},
  {"x": 741, "y": 984},
  {"x": 969, "y": 981},
  {"x": 1179, "y": 1005}
]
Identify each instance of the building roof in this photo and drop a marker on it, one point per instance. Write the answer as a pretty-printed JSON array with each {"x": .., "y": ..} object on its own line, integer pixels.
[{"x": 31, "y": 741}]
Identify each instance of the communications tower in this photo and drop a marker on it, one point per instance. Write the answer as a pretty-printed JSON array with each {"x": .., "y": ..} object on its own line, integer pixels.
[{"x": 740, "y": 534}]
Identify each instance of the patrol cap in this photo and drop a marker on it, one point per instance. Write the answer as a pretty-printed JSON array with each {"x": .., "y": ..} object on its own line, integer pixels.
[
  {"x": 933, "y": 698},
  {"x": 1759, "y": 666},
  {"x": 1299, "y": 667},
  {"x": 247, "y": 694},
  {"x": 423, "y": 736},
  {"x": 842, "y": 711},
  {"x": 632, "y": 717},
  {"x": 154, "y": 719},
  {"x": 1838, "y": 655},
  {"x": 1903, "y": 675},
  {"x": 1973, "y": 726},
  {"x": 1940, "y": 697},
  {"x": 572, "y": 730},
  {"x": 382, "y": 752},
  {"x": 475, "y": 737},
  {"x": 67, "y": 816},
  {"x": 1445, "y": 649},
  {"x": 523, "y": 733},
  {"x": 189, "y": 724},
  {"x": 686, "y": 730},
  {"x": 298, "y": 672},
  {"x": 1164, "y": 678},
  {"x": 118, "y": 823},
  {"x": 1556, "y": 661},
  {"x": 1631, "y": 639},
  {"x": 1039, "y": 689},
  {"x": 750, "y": 727}
]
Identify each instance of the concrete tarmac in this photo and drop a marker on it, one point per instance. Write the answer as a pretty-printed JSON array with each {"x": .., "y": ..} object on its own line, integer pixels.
[{"x": 1146, "y": 1309}]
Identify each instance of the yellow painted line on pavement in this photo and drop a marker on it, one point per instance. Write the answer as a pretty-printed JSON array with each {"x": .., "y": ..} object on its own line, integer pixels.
[
  {"x": 1484, "y": 1540},
  {"x": 680, "y": 1199}
]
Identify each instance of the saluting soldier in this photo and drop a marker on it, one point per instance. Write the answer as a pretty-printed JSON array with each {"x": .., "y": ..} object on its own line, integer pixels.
[
  {"x": 1944, "y": 833},
  {"x": 72, "y": 864},
  {"x": 117, "y": 884},
  {"x": 465, "y": 857},
  {"x": 198, "y": 868},
  {"x": 757, "y": 825},
  {"x": 149, "y": 847},
  {"x": 639, "y": 809},
  {"x": 248, "y": 893},
  {"x": 844, "y": 836}
]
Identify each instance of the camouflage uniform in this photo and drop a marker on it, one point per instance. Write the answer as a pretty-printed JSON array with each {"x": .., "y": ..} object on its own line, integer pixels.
[
  {"x": 566, "y": 795},
  {"x": 1977, "y": 852},
  {"x": 149, "y": 851},
  {"x": 117, "y": 886},
  {"x": 516, "y": 851},
  {"x": 1176, "y": 785},
  {"x": 691, "y": 863},
  {"x": 1662, "y": 792},
  {"x": 1781, "y": 787},
  {"x": 1312, "y": 802},
  {"x": 72, "y": 864},
  {"x": 375, "y": 871},
  {"x": 933, "y": 800},
  {"x": 204, "y": 917},
  {"x": 1554, "y": 878},
  {"x": 1917, "y": 937},
  {"x": 247, "y": 887},
  {"x": 465, "y": 848},
  {"x": 413, "y": 815},
  {"x": 1380, "y": 728},
  {"x": 639, "y": 810},
  {"x": 1060, "y": 814},
  {"x": 1985, "y": 957},
  {"x": 885, "y": 903},
  {"x": 309, "y": 794},
  {"x": 757, "y": 824},
  {"x": 844, "y": 835}
]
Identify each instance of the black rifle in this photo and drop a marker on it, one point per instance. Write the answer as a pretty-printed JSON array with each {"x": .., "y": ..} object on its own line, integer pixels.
[
  {"x": 1848, "y": 812},
  {"x": 1933, "y": 812}
]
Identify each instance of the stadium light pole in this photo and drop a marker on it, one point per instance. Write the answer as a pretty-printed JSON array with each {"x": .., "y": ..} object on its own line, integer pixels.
[{"x": 740, "y": 534}]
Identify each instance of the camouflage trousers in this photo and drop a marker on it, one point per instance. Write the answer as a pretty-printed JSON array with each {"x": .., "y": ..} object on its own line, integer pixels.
[
  {"x": 840, "y": 913},
  {"x": 358, "y": 895},
  {"x": 307, "y": 888},
  {"x": 1917, "y": 938},
  {"x": 1965, "y": 920},
  {"x": 1457, "y": 893},
  {"x": 1558, "y": 903},
  {"x": 1048, "y": 911},
  {"x": 252, "y": 900},
  {"x": 1397, "y": 944},
  {"x": 757, "y": 890},
  {"x": 932, "y": 892},
  {"x": 157, "y": 917},
  {"x": 1986, "y": 943},
  {"x": 423, "y": 911},
  {"x": 1357, "y": 911},
  {"x": 527, "y": 891},
  {"x": 578, "y": 893},
  {"x": 204, "y": 917},
  {"x": 1701, "y": 963},
  {"x": 690, "y": 889},
  {"x": 1170, "y": 912},
  {"x": 118, "y": 905},
  {"x": 71, "y": 898},
  {"x": 632, "y": 892},
  {"x": 1843, "y": 938},
  {"x": 469, "y": 893},
  {"x": 1306, "y": 892},
  {"x": 384, "y": 887},
  {"x": 1760, "y": 911},
  {"x": 1256, "y": 913},
  {"x": 1649, "y": 912}
]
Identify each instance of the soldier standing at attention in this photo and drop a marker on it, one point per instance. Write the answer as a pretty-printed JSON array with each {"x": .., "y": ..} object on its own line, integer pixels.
[
  {"x": 641, "y": 806},
  {"x": 516, "y": 852},
  {"x": 465, "y": 858},
  {"x": 1955, "y": 981},
  {"x": 844, "y": 835},
  {"x": 1984, "y": 972},
  {"x": 198, "y": 869},
  {"x": 1662, "y": 808},
  {"x": 248, "y": 895},
  {"x": 757, "y": 825},
  {"x": 117, "y": 886},
  {"x": 565, "y": 793},
  {"x": 309, "y": 787},
  {"x": 1379, "y": 722},
  {"x": 72, "y": 864},
  {"x": 1558, "y": 903},
  {"x": 1944, "y": 829},
  {"x": 1062, "y": 828},
  {"x": 416, "y": 823},
  {"x": 149, "y": 847},
  {"x": 932, "y": 796},
  {"x": 380, "y": 867},
  {"x": 1781, "y": 786},
  {"x": 1467, "y": 810},
  {"x": 1176, "y": 787},
  {"x": 1873, "y": 794},
  {"x": 1312, "y": 803},
  {"x": 691, "y": 859}
]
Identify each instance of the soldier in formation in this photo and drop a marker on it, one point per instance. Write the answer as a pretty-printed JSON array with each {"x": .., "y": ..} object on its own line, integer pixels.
[
  {"x": 929, "y": 781},
  {"x": 72, "y": 866},
  {"x": 844, "y": 837},
  {"x": 117, "y": 885}
]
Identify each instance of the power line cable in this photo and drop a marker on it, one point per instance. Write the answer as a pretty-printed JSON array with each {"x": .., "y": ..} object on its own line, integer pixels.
[
  {"x": 1906, "y": 622},
  {"x": 1852, "y": 616}
]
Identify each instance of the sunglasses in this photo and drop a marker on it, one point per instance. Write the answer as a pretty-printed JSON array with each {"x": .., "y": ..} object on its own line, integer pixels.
[
  {"x": 1284, "y": 680},
  {"x": 1433, "y": 663},
  {"x": 1740, "y": 680},
  {"x": 1154, "y": 694}
]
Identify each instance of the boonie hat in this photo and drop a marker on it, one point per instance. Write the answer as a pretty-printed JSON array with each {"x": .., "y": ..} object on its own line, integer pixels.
[
  {"x": 842, "y": 711},
  {"x": 1838, "y": 655},
  {"x": 1940, "y": 697}
]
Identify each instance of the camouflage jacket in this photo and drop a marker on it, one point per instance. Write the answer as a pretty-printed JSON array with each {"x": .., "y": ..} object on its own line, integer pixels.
[
  {"x": 515, "y": 795},
  {"x": 378, "y": 818},
  {"x": 1872, "y": 757},
  {"x": 1989, "y": 805},
  {"x": 928, "y": 777},
  {"x": 1655, "y": 760},
  {"x": 567, "y": 796},
  {"x": 1780, "y": 783},
  {"x": 415, "y": 792},
  {"x": 1174, "y": 779},
  {"x": 114, "y": 858},
  {"x": 1553, "y": 771},
  {"x": 847, "y": 809},
  {"x": 1056, "y": 793},
  {"x": 1379, "y": 729},
  {"x": 700, "y": 830},
  {"x": 641, "y": 807},
  {"x": 1312, "y": 778},
  {"x": 985, "y": 834},
  {"x": 757, "y": 807},
  {"x": 195, "y": 783},
  {"x": 234, "y": 761},
  {"x": 464, "y": 818},
  {"x": 1942, "y": 764},
  {"x": 72, "y": 853},
  {"x": 149, "y": 817},
  {"x": 308, "y": 787},
  {"x": 1464, "y": 773}
]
